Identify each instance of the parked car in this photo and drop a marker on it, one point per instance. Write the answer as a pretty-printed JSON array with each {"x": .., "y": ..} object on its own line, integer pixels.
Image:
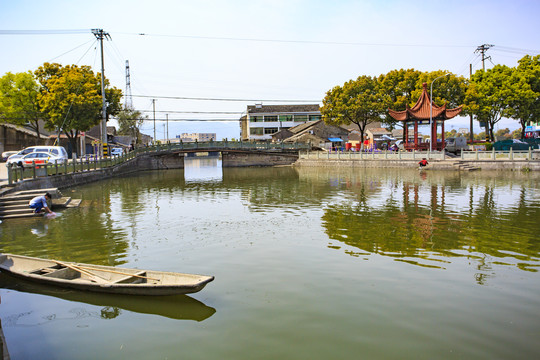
[
  {"x": 56, "y": 151},
  {"x": 455, "y": 145},
  {"x": 88, "y": 157},
  {"x": 16, "y": 157},
  {"x": 117, "y": 151},
  {"x": 7, "y": 154},
  {"x": 41, "y": 158}
]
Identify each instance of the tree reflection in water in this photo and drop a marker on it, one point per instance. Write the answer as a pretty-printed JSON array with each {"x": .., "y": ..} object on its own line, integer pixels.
[{"x": 416, "y": 223}]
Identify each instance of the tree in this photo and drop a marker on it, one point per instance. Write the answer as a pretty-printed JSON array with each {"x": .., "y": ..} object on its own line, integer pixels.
[
  {"x": 503, "y": 133},
  {"x": 488, "y": 94},
  {"x": 357, "y": 102},
  {"x": 19, "y": 101},
  {"x": 404, "y": 88},
  {"x": 71, "y": 98},
  {"x": 517, "y": 134},
  {"x": 524, "y": 97},
  {"x": 130, "y": 122},
  {"x": 449, "y": 90},
  {"x": 399, "y": 87}
]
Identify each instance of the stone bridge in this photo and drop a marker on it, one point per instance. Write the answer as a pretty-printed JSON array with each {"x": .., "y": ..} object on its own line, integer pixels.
[
  {"x": 159, "y": 157},
  {"x": 233, "y": 154}
]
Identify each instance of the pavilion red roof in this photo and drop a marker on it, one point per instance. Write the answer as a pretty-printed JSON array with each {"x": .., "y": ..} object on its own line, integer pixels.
[{"x": 421, "y": 110}]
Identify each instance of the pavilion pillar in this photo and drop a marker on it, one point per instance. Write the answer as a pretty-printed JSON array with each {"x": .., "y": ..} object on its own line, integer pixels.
[
  {"x": 442, "y": 136},
  {"x": 406, "y": 134},
  {"x": 415, "y": 134}
]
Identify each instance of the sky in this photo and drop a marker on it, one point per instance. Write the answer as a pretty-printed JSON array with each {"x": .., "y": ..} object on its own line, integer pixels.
[{"x": 230, "y": 54}]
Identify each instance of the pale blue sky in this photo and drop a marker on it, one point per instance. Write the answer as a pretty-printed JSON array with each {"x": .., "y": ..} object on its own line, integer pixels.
[{"x": 203, "y": 48}]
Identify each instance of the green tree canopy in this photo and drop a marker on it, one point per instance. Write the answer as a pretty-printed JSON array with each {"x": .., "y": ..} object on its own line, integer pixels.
[
  {"x": 19, "y": 100},
  {"x": 404, "y": 87},
  {"x": 399, "y": 86},
  {"x": 524, "y": 97},
  {"x": 71, "y": 98},
  {"x": 357, "y": 102},
  {"x": 488, "y": 96},
  {"x": 130, "y": 122}
]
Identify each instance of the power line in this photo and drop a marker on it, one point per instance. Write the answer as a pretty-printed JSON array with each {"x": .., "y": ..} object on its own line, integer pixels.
[
  {"x": 193, "y": 112},
  {"x": 44, "y": 32},
  {"x": 219, "y": 99},
  {"x": 187, "y": 119},
  {"x": 292, "y": 41}
]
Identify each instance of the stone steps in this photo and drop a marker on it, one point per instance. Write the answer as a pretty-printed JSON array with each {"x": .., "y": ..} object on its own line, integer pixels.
[
  {"x": 16, "y": 205},
  {"x": 464, "y": 166}
]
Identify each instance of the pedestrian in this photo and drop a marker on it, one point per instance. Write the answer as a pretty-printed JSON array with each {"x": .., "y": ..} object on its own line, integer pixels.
[
  {"x": 423, "y": 163},
  {"x": 39, "y": 203}
]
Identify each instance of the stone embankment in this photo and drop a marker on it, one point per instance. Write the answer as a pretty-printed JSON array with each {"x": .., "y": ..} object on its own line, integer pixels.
[
  {"x": 15, "y": 205},
  {"x": 434, "y": 164}
]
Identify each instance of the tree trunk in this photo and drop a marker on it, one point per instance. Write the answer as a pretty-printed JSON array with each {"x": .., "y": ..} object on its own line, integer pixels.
[{"x": 523, "y": 124}]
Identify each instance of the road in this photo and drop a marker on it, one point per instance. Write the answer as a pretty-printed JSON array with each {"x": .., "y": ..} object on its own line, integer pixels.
[{"x": 3, "y": 174}]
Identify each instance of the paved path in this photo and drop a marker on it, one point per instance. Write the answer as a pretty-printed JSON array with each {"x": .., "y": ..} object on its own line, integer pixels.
[{"x": 3, "y": 174}]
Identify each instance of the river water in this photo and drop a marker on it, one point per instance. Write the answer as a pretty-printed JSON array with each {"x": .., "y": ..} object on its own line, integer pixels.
[{"x": 310, "y": 263}]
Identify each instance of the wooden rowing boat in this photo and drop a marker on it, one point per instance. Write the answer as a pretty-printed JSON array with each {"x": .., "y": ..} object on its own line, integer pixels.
[
  {"x": 99, "y": 278},
  {"x": 178, "y": 307}
]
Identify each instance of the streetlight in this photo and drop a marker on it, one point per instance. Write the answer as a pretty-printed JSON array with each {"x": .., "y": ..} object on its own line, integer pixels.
[{"x": 431, "y": 110}]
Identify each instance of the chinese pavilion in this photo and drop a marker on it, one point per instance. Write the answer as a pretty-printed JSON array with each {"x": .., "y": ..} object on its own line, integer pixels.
[{"x": 420, "y": 114}]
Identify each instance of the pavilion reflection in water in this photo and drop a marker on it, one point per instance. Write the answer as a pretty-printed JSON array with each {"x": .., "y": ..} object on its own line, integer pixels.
[{"x": 430, "y": 224}]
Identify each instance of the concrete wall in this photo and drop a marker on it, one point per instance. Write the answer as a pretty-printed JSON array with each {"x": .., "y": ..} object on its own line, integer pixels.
[
  {"x": 250, "y": 158},
  {"x": 159, "y": 161},
  {"x": 517, "y": 165}
]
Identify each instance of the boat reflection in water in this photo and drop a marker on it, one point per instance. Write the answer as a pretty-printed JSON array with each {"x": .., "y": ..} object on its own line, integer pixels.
[{"x": 180, "y": 307}]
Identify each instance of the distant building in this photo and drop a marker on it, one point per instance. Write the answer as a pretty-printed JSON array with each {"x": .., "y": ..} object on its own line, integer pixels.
[
  {"x": 199, "y": 137},
  {"x": 16, "y": 137},
  {"x": 262, "y": 121},
  {"x": 532, "y": 130},
  {"x": 317, "y": 133}
]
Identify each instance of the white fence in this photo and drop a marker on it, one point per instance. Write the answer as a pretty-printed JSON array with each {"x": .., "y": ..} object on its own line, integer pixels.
[
  {"x": 375, "y": 155},
  {"x": 417, "y": 155}
]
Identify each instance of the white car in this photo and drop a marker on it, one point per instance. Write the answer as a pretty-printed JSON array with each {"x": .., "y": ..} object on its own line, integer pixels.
[
  {"x": 7, "y": 154},
  {"x": 117, "y": 151},
  {"x": 54, "y": 151},
  {"x": 41, "y": 158}
]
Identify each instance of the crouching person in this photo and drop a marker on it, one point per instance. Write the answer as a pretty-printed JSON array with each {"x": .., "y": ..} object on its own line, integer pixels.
[{"x": 39, "y": 203}]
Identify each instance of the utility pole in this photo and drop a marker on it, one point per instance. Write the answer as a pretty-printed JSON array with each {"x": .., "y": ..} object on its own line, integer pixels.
[
  {"x": 154, "y": 107},
  {"x": 100, "y": 35},
  {"x": 482, "y": 50},
  {"x": 471, "y": 135},
  {"x": 167, "y": 126}
]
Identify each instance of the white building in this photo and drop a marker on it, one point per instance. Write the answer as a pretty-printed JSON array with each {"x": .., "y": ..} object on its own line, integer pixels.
[
  {"x": 199, "y": 137},
  {"x": 261, "y": 121}
]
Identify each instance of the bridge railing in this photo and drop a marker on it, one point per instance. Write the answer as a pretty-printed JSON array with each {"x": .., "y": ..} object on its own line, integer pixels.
[
  {"x": 244, "y": 145},
  {"x": 90, "y": 163},
  {"x": 18, "y": 173},
  {"x": 511, "y": 155},
  {"x": 375, "y": 155}
]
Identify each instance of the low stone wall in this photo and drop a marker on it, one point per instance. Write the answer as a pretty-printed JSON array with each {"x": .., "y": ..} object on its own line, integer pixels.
[
  {"x": 244, "y": 159},
  {"x": 517, "y": 165},
  {"x": 154, "y": 161}
]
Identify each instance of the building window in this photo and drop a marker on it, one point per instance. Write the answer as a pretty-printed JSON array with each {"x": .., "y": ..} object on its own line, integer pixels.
[
  {"x": 285, "y": 118},
  {"x": 300, "y": 118},
  {"x": 270, "y": 118},
  {"x": 256, "y": 131},
  {"x": 270, "y": 130},
  {"x": 256, "y": 119},
  {"x": 314, "y": 117}
]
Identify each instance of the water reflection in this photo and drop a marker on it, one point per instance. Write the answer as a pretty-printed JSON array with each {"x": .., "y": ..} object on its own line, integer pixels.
[
  {"x": 428, "y": 221},
  {"x": 202, "y": 169},
  {"x": 180, "y": 307}
]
